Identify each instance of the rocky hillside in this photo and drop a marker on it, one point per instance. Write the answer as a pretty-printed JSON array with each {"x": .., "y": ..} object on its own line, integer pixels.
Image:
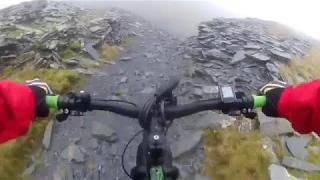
[
  {"x": 243, "y": 53},
  {"x": 55, "y": 35},
  {"x": 240, "y": 52}
]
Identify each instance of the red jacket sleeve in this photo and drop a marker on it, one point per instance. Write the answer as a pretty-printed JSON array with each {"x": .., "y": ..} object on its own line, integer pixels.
[
  {"x": 301, "y": 106},
  {"x": 16, "y": 110}
]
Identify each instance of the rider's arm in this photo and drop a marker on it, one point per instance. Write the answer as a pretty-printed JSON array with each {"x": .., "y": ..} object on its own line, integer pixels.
[
  {"x": 17, "y": 110},
  {"x": 301, "y": 106}
]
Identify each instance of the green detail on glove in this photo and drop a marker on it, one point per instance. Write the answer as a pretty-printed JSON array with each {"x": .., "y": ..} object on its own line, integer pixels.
[
  {"x": 52, "y": 101},
  {"x": 259, "y": 101}
]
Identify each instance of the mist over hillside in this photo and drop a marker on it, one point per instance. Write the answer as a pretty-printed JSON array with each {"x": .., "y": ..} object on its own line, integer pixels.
[{"x": 175, "y": 16}]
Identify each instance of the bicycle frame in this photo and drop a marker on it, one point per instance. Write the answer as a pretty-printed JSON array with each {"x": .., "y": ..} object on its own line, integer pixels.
[{"x": 154, "y": 156}]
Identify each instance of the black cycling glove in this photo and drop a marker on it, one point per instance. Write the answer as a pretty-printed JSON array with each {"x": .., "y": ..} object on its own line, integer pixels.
[
  {"x": 273, "y": 92},
  {"x": 40, "y": 90}
]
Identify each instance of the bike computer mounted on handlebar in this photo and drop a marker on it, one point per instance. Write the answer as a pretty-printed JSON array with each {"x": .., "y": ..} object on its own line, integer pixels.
[
  {"x": 154, "y": 157},
  {"x": 227, "y": 94}
]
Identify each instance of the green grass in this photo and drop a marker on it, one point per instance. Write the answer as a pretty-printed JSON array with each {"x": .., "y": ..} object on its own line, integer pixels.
[
  {"x": 307, "y": 68},
  {"x": 15, "y": 33},
  {"x": 74, "y": 45},
  {"x": 122, "y": 93},
  {"x": 278, "y": 147},
  {"x": 15, "y": 154},
  {"x": 53, "y": 27},
  {"x": 128, "y": 41},
  {"x": 109, "y": 52},
  {"x": 232, "y": 155},
  {"x": 35, "y": 26},
  {"x": 68, "y": 53},
  {"x": 313, "y": 157}
]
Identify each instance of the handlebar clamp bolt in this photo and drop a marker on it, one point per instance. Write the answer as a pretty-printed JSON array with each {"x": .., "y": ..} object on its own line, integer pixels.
[{"x": 156, "y": 137}]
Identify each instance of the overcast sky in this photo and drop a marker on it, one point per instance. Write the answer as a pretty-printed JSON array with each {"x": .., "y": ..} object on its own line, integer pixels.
[{"x": 303, "y": 15}]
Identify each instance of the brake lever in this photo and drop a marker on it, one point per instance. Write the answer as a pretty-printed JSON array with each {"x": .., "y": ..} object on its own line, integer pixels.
[{"x": 62, "y": 115}]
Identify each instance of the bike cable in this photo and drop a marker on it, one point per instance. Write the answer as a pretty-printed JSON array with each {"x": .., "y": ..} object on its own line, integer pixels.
[
  {"x": 124, "y": 152},
  {"x": 132, "y": 138}
]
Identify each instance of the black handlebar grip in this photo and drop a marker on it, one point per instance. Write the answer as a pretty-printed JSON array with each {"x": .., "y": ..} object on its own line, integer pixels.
[{"x": 167, "y": 87}]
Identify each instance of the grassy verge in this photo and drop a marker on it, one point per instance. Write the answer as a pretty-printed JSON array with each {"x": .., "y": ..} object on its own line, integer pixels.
[
  {"x": 307, "y": 69},
  {"x": 109, "y": 52},
  {"x": 313, "y": 157},
  {"x": 15, "y": 154},
  {"x": 232, "y": 155}
]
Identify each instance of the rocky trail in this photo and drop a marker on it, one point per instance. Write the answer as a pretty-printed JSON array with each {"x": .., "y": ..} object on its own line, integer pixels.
[
  {"x": 93, "y": 144},
  {"x": 237, "y": 52}
]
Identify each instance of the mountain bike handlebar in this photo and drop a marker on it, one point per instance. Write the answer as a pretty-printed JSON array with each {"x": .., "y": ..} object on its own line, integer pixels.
[
  {"x": 83, "y": 105},
  {"x": 154, "y": 158}
]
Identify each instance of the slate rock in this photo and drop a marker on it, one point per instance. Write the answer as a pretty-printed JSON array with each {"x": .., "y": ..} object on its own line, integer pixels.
[
  {"x": 206, "y": 36},
  {"x": 234, "y": 48},
  {"x": 273, "y": 126},
  {"x": 239, "y": 56},
  {"x": 148, "y": 74},
  {"x": 277, "y": 172},
  {"x": 148, "y": 90},
  {"x": 73, "y": 153},
  {"x": 186, "y": 144},
  {"x": 72, "y": 62},
  {"x": 92, "y": 52},
  {"x": 125, "y": 59},
  {"x": 259, "y": 57},
  {"x": 246, "y": 70},
  {"x": 200, "y": 177},
  {"x": 103, "y": 132},
  {"x": 298, "y": 164},
  {"x": 195, "y": 52},
  {"x": 148, "y": 55},
  {"x": 210, "y": 119},
  {"x": 74, "y": 140},
  {"x": 280, "y": 55},
  {"x": 208, "y": 65},
  {"x": 217, "y": 54},
  {"x": 283, "y": 139},
  {"x": 297, "y": 146},
  {"x": 123, "y": 79},
  {"x": 252, "y": 47},
  {"x": 93, "y": 143},
  {"x": 272, "y": 68},
  {"x": 46, "y": 141},
  {"x": 269, "y": 145},
  {"x": 210, "y": 89},
  {"x": 198, "y": 92},
  {"x": 30, "y": 170},
  {"x": 95, "y": 29}
]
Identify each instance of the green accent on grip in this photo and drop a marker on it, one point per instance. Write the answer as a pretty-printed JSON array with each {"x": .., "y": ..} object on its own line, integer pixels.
[
  {"x": 52, "y": 101},
  {"x": 156, "y": 173},
  {"x": 259, "y": 101}
]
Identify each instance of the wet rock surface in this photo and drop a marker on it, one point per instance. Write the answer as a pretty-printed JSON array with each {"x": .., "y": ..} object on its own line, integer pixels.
[
  {"x": 50, "y": 34},
  {"x": 238, "y": 47},
  {"x": 138, "y": 74}
]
